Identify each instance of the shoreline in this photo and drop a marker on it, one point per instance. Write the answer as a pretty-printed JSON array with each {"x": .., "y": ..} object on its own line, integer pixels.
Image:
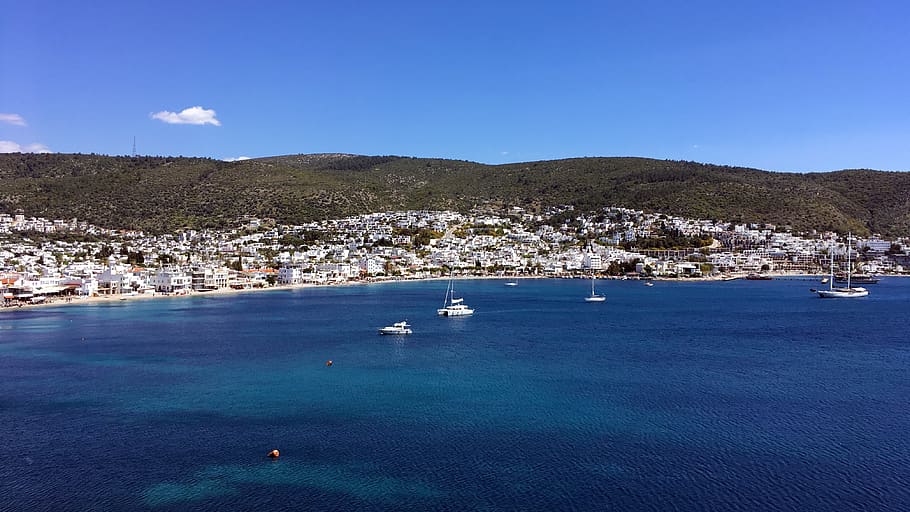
[{"x": 106, "y": 299}]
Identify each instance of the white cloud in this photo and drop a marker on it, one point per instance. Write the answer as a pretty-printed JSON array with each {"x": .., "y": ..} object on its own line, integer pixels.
[
  {"x": 8, "y": 146},
  {"x": 37, "y": 148},
  {"x": 192, "y": 115},
  {"x": 237, "y": 159},
  {"x": 14, "y": 119}
]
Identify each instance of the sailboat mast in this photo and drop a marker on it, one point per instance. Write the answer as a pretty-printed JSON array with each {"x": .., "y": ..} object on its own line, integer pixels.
[
  {"x": 849, "y": 267},
  {"x": 450, "y": 290}
]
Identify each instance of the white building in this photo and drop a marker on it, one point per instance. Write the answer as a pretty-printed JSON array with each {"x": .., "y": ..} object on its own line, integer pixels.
[
  {"x": 372, "y": 265},
  {"x": 875, "y": 244},
  {"x": 592, "y": 261},
  {"x": 338, "y": 271},
  {"x": 112, "y": 281},
  {"x": 206, "y": 278},
  {"x": 290, "y": 274},
  {"x": 169, "y": 279},
  {"x": 83, "y": 286}
]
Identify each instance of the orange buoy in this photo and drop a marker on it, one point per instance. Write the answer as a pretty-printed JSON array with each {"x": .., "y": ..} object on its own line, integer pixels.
[
  {"x": 274, "y": 454},
  {"x": 328, "y": 363}
]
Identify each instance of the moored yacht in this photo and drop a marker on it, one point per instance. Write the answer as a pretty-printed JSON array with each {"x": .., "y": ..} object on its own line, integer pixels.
[
  {"x": 856, "y": 278},
  {"x": 848, "y": 292},
  {"x": 396, "y": 328},
  {"x": 837, "y": 292},
  {"x": 594, "y": 297},
  {"x": 453, "y": 306}
]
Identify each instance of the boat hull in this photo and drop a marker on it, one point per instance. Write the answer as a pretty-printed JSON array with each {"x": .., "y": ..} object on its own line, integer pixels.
[
  {"x": 386, "y": 331},
  {"x": 843, "y": 293},
  {"x": 396, "y": 328},
  {"x": 452, "y": 311},
  {"x": 857, "y": 280}
]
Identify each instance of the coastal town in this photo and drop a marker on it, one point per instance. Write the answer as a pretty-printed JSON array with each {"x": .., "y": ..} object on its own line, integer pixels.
[{"x": 45, "y": 260}]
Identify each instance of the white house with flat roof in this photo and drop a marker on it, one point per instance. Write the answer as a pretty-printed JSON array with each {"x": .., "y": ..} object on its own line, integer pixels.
[
  {"x": 171, "y": 279},
  {"x": 290, "y": 274}
]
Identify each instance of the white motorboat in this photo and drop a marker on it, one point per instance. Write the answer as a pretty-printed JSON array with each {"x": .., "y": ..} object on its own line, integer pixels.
[
  {"x": 396, "y": 328},
  {"x": 453, "y": 306}
]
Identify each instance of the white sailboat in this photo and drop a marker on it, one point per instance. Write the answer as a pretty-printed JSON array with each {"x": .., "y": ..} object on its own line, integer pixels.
[
  {"x": 594, "y": 297},
  {"x": 836, "y": 292},
  {"x": 453, "y": 306}
]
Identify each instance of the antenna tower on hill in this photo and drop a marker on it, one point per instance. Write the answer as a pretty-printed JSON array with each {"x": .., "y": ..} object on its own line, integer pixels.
[{"x": 134, "y": 146}]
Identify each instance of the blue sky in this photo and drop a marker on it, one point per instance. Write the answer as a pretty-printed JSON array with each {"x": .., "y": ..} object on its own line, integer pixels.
[{"x": 786, "y": 86}]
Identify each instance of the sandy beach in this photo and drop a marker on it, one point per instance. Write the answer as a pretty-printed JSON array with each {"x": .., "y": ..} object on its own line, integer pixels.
[{"x": 102, "y": 299}]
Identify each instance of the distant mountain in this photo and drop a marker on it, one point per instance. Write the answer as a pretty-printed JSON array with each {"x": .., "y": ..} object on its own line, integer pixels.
[{"x": 162, "y": 194}]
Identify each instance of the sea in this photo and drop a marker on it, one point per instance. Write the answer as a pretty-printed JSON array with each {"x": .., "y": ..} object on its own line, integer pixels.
[{"x": 691, "y": 396}]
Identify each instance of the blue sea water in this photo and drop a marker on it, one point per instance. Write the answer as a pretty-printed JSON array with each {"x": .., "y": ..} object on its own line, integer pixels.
[{"x": 734, "y": 396}]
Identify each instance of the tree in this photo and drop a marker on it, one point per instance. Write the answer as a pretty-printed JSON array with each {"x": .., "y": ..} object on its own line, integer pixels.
[
  {"x": 269, "y": 254},
  {"x": 389, "y": 267},
  {"x": 614, "y": 268},
  {"x": 104, "y": 253},
  {"x": 135, "y": 258}
]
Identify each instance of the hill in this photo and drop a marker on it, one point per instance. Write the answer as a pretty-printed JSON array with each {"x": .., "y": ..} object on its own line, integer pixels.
[{"x": 160, "y": 194}]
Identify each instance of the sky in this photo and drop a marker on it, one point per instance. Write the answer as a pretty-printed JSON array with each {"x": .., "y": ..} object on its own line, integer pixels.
[{"x": 790, "y": 86}]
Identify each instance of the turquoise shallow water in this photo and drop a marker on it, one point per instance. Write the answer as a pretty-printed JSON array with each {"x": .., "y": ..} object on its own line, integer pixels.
[{"x": 690, "y": 396}]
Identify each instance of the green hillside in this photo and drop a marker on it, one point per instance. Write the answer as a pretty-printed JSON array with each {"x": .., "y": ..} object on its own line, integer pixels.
[{"x": 161, "y": 194}]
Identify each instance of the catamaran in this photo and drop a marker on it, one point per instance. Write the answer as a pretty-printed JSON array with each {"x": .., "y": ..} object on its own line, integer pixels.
[{"x": 453, "y": 306}]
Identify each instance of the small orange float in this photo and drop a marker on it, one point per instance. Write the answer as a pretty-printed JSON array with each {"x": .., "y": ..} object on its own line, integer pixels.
[{"x": 328, "y": 363}]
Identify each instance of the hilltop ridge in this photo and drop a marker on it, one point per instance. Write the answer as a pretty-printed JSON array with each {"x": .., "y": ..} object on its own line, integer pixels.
[{"x": 159, "y": 194}]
